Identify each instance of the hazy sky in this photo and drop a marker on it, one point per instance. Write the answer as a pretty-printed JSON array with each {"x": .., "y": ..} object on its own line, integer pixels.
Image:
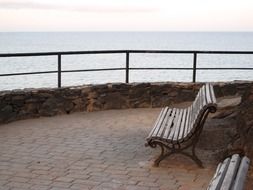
[{"x": 126, "y": 15}]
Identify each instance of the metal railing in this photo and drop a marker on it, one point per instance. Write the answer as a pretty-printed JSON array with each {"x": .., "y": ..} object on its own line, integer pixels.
[{"x": 127, "y": 53}]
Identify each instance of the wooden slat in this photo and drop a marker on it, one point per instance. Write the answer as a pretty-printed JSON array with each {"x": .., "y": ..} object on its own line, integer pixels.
[
  {"x": 163, "y": 124},
  {"x": 231, "y": 172},
  {"x": 202, "y": 100},
  {"x": 157, "y": 127},
  {"x": 211, "y": 184},
  {"x": 212, "y": 94},
  {"x": 217, "y": 181},
  {"x": 208, "y": 95},
  {"x": 170, "y": 137},
  {"x": 182, "y": 125},
  {"x": 204, "y": 96},
  {"x": 196, "y": 106},
  {"x": 193, "y": 112},
  {"x": 201, "y": 105},
  {"x": 156, "y": 123},
  {"x": 187, "y": 121},
  {"x": 190, "y": 120},
  {"x": 169, "y": 122},
  {"x": 172, "y": 125},
  {"x": 194, "y": 117},
  {"x": 199, "y": 100},
  {"x": 178, "y": 124},
  {"x": 241, "y": 174}
]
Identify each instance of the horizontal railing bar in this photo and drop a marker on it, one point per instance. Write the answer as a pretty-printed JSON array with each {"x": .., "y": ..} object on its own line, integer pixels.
[
  {"x": 120, "y": 51},
  {"x": 190, "y": 52},
  {"x": 176, "y": 68},
  {"x": 224, "y": 68},
  {"x": 157, "y": 68},
  {"x": 224, "y": 52},
  {"x": 60, "y": 53},
  {"x": 163, "y": 51},
  {"x": 117, "y": 69},
  {"x": 88, "y": 70},
  {"x": 30, "y": 73}
]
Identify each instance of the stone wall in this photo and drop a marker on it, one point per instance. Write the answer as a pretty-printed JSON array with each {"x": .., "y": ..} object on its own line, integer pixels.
[
  {"x": 234, "y": 125},
  {"x": 31, "y": 103}
]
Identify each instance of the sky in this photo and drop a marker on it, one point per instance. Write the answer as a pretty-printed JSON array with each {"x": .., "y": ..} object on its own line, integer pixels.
[{"x": 126, "y": 15}]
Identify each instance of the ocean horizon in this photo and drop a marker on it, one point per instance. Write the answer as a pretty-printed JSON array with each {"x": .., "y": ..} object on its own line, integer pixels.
[{"x": 28, "y": 42}]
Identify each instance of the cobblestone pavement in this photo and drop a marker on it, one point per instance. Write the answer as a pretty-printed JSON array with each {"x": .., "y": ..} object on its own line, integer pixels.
[{"x": 99, "y": 150}]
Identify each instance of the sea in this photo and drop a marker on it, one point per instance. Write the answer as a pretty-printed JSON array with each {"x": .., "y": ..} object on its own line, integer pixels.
[{"x": 28, "y": 42}]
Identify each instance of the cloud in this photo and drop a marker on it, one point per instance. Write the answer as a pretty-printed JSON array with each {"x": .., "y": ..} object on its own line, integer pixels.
[
  {"x": 20, "y": 5},
  {"x": 25, "y": 5}
]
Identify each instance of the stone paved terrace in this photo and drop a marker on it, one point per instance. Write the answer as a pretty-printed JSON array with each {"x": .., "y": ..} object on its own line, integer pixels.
[{"x": 97, "y": 150}]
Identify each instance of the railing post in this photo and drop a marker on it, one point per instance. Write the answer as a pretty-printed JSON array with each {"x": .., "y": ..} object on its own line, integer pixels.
[
  {"x": 59, "y": 70},
  {"x": 127, "y": 67},
  {"x": 194, "y": 66}
]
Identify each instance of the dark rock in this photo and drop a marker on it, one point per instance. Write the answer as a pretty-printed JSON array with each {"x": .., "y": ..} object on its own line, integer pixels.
[
  {"x": 7, "y": 114},
  {"x": 217, "y": 91},
  {"x": 51, "y": 107},
  {"x": 119, "y": 87},
  {"x": 139, "y": 91},
  {"x": 139, "y": 103},
  {"x": 79, "y": 104},
  {"x": 172, "y": 94},
  {"x": 229, "y": 89},
  {"x": 71, "y": 94},
  {"x": 161, "y": 101},
  {"x": 113, "y": 101},
  {"x": 45, "y": 95},
  {"x": 185, "y": 95},
  {"x": 18, "y": 100},
  {"x": 68, "y": 107},
  {"x": 34, "y": 100},
  {"x": 94, "y": 106}
]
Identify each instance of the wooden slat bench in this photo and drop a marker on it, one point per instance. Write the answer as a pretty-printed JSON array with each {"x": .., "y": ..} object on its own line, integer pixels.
[
  {"x": 230, "y": 174},
  {"x": 176, "y": 130}
]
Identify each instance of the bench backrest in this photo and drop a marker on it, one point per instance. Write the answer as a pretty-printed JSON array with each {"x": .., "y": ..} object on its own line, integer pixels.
[{"x": 204, "y": 103}]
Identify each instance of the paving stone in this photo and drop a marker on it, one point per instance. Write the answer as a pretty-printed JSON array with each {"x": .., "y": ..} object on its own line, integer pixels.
[
  {"x": 66, "y": 179},
  {"x": 87, "y": 182},
  {"x": 18, "y": 185},
  {"x": 19, "y": 179},
  {"x": 40, "y": 187},
  {"x": 40, "y": 181},
  {"x": 3, "y": 182},
  {"x": 58, "y": 188},
  {"x": 80, "y": 186},
  {"x": 60, "y": 184}
]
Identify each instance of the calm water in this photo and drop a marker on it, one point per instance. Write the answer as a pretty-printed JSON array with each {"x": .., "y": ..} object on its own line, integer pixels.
[{"x": 46, "y": 42}]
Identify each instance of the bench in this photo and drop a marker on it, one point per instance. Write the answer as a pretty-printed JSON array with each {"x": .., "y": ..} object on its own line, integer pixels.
[
  {"x": 230, "y": 174},
  {"x": 177, "y": 130}
]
